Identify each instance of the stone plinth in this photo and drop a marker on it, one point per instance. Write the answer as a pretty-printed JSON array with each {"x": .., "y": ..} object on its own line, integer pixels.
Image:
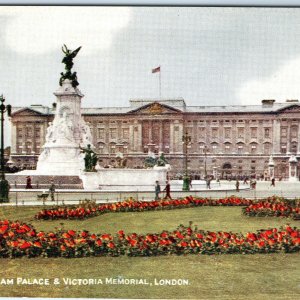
[
  {"x": 61, "y": 153},
  {"x": 123, "y": 177}
]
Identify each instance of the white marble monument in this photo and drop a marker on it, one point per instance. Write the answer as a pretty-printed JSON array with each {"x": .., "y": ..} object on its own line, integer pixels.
[{"x": 61, "y": 153}]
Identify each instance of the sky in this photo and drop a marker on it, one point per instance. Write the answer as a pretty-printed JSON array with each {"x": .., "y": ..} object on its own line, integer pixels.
[{"x": 208, "y": 56}]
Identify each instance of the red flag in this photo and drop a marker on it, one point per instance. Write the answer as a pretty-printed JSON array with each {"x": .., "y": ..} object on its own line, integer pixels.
[{"x": 156, "y": 70}]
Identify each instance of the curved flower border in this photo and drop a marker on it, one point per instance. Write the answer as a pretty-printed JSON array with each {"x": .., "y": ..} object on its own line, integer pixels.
[
  {"x": 130, "y": 205},
  {"x": 20, "y": 239}
]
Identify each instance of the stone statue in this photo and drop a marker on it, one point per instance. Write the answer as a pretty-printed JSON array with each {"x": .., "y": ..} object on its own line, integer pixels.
[
  {"x": 64, "y": 128},
  {"x": 86, "y": 136},
  {"x": 121, "y": 161},
  {"x": 90, "y": 158},
  {"x": 152, "y": 161},
  {"x": 68, "y": 61},
  {"x": 49, "y": 133},
  {"x": 161, "y": 161}
]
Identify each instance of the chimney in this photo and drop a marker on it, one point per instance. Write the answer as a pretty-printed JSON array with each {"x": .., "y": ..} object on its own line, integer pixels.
[
  {"x": 292, "y": 100},
  {"x": 267, "y": 102}
]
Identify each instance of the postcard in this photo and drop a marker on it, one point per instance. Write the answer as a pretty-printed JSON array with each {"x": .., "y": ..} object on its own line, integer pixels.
[{"x": 150, "y": 152}]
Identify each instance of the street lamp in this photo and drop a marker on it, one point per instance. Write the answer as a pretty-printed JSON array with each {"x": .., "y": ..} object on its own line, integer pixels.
[
  {"x": 186, "y": 179},
  {"x": 205, "y": 152},
  {"x": 4, "y": 185}
]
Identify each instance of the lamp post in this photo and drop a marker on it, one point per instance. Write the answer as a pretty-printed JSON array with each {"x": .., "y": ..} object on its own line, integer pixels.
[
  {"x": 4, "y": 186},
  {"x": 186, "y": 179},
  {"x": 205, "y": 156}
]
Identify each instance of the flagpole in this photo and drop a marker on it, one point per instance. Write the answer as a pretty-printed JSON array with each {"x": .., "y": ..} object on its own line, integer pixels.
[{"x": 159, "y": 82}]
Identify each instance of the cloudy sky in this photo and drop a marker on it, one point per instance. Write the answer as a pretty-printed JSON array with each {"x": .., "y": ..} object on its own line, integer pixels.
[{"x": 208, "y": 56}]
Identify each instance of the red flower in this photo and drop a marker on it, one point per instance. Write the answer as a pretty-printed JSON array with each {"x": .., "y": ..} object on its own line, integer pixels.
[
  {"x": 25, "y": 245},
  {"x": 99, "y": 242},
  {"x": 111, "y": 245}
]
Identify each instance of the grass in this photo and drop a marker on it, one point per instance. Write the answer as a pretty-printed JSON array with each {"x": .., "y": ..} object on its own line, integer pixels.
[{"x": 274, "y": 276}]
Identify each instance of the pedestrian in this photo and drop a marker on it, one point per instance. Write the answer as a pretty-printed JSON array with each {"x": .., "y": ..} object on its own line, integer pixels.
[
  {"x": 273, "y": 181},
  {"x": 52, "y": 190},
  {"x": 237, "y": 185},
  {"x": 168, "y": 190},
  {"x": 190, "y": 182},
  {"x": 208, "y": 180},
  {"x": 245, "y": 180},
  {"x": 28, "y": 182},
  {"x": 157, "y": 190}
]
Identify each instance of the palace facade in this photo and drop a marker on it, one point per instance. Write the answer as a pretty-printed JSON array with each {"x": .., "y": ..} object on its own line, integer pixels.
[{"x": 225, "y": 140}]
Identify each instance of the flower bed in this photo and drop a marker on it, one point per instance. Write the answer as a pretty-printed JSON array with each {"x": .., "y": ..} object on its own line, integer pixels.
[
  {"x": 20, "y": 239},
  {"x": 273, "y": 207},
  {"x": 130, "y": 205}
]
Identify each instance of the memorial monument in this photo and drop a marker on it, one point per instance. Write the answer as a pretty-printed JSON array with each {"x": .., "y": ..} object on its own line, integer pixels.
[
  {"x": 61, "y": 153},
  {"x": 68, "y": 148}
]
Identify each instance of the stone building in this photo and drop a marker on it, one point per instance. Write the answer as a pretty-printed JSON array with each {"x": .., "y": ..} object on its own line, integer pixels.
[{"x": 225, "y": 140}]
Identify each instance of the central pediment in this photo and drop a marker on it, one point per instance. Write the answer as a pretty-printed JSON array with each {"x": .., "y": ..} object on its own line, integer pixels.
[
  {"x": 294, "y": 108},
  {"x": 26, "y": 112},
  {"x": 155, "y": 108}
]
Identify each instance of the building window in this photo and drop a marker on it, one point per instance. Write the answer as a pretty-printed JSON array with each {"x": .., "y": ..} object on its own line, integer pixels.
[
  {"x": 113, "y": 133},
  {"x": 214, "y": 133},
  {"x": 253, "y": 148},
  {"x": 20, "y": 133},
  {"x": 283, "y": 149},
  {"x": 227, "y": 148},
  {"x": 176, "y": 128},
  {"x": 240, "y": 148},
  {"x": 101, "y": 133},
  {"x": 201, "y": 132},
  {"x": 214, "y": 148},
  {"x": 29, "y": 131},
  {"x": 37, "y": 132},
  {"x": 294, "y": 131},
  {"x": 240, "y": 133},
  {"x": 125, "y": 133},
  {"x": 267, "y": 148},
  {"x": 227, "y": 133},
  {"x": 112, "y": 149},
  {"x": 101, "y": 148},
  {"x": 254, "y": 133},
  {"x": 267, "y": 132},
  {"x": 294, "y": 147},
  {"x": 283, "y": 132}
]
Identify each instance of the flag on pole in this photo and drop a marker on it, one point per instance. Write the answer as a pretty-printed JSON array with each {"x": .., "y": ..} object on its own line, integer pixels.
[{"x": 156, "y": 70}]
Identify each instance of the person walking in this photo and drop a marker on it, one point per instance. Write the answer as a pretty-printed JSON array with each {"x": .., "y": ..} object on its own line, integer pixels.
[
  {"x": 52, "y": 190},
  {"x": 273, "y": 181},
  {"x": 157, "y": 190},
  {"x": 28, "y": 182},
  {"x": 237, "y": 185},
  {"x": 208, "y": 180},
  {"x": 168, "y": 190}
]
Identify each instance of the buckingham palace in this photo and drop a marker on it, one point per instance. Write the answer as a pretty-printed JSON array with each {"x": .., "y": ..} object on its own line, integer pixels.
[{"x": 224, "y": 140}]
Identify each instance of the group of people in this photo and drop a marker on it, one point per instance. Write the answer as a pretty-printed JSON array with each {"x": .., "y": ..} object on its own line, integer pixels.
[
  {"x": 158, "y": 190},
  {"x": 51, "y": 188}
]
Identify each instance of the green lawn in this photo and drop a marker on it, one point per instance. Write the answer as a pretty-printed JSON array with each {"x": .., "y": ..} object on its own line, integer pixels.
[{"x": 274, "y": 276}]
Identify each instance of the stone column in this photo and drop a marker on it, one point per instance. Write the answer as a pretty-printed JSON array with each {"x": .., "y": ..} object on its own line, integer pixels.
[
  {"x": 94, "y": 134},
  {"x": 288, "y": 139},
  {"x": 171, "y": 143},
  {"x": 160, "y": 136},
  {"x": 293, "y": 169},
  {"x": 276, "y": 137},
  {"x": 24, "y": 139},
  {"x": 271, "y": 167},
  {"x": 298, "y": 140},
  {"x": 13, "y": 138}
]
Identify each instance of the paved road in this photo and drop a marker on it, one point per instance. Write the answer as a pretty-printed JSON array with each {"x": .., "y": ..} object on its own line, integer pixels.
[{"x": 285, "y": 189}]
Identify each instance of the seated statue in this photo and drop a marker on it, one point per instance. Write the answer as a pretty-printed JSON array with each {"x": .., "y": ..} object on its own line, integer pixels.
[{"x": 161, "y": 161}]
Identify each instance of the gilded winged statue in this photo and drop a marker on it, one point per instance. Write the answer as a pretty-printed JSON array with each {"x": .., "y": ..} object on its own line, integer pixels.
[{"x": 68, "y": 61}]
